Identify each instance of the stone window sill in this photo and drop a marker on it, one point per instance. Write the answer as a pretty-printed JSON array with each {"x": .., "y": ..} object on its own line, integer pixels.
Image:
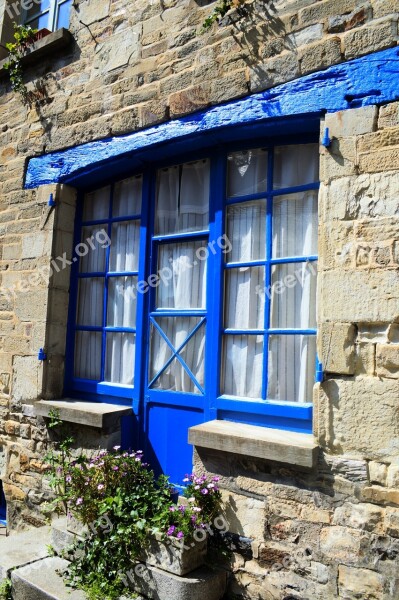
[
  {"x": 44, "y": 47},
  {"x": 277, "y": 445},
  {"x": 91, "y": 414}
]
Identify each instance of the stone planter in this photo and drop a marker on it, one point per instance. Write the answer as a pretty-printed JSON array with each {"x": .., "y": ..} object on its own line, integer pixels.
[{"x": 172, "y": 556}]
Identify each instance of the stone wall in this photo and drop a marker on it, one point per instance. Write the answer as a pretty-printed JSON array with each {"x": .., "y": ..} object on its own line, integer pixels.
[{"x": 134, "y": 64}]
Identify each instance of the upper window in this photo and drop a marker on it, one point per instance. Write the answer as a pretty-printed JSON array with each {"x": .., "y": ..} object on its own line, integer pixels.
[
  {"x": 47, "y": 14},
  {"x": 205, "y": 285}
]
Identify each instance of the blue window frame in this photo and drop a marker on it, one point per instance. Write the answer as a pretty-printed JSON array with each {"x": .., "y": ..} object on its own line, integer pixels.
[
  {"x": 274, "y": 188},
  {"x": 48, "y": 14}
]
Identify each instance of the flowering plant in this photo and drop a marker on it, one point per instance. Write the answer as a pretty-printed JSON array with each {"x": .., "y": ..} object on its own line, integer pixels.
[{"x": 117, "y": 496}]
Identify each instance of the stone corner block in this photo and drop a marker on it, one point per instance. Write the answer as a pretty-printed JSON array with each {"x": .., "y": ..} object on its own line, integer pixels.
[
  {"x": 337, "y": 347},
  {"x": 354, "y": 121}
]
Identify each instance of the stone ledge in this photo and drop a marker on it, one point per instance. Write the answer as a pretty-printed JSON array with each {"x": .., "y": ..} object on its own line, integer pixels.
[
  {"x": 44, "y": 47},
  {"x": 262, "y": 442},
  {"x": 92, "y": 414}
]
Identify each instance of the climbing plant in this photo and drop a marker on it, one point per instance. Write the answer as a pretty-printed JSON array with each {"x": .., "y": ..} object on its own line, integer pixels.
[
  {"x": 24, "y": 37},
  {"x": 219, "y": 11}
]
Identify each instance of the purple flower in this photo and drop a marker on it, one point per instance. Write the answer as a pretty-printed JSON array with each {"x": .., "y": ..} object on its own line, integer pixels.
[
  {"x": 182, "y": 508},
  {"x": 204, "y": 491},
  {"x": 115, "y": 468},
  {"x": 180, "y": 535},
  {"x": 171, "y": 530},
  {"x": 172, "y": 508},
  {"x": 68, "y": 479},
  {"x": 193, "y": 519},
  {"x": 116, "y": 448},
  {"x": 79, "y": 501},
  {"x": 100, "y": 486},
  {"x": 215, "y": 478}
]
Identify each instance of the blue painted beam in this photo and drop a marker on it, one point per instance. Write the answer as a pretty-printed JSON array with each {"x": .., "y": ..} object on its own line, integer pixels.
[{"x": 371, "y": 79}]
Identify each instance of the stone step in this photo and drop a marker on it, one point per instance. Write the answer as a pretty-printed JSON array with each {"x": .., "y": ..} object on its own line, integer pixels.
[
  {"x": 41, "y": 580},
  {"x": 62, "y": 540},
  {"x": 23, "y": 548}
]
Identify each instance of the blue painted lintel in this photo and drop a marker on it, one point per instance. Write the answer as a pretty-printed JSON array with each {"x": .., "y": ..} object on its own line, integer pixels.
[{"x": 371, "y": 79}]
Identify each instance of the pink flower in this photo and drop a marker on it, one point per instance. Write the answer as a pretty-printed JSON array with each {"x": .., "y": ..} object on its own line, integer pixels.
[
  {"x": 116, "y": 448},
  {"x": 100, "y": 486},
  {"x": 68, "y": 479},
  {"x": 172, "y": 508},
  {"x": 180, "y": 535},
  {"x": 171, "y": 530},
  {"x": 79, "y": 501},
  {"x": 204, "y": 491},
  {"x": 115, "y": 468}
]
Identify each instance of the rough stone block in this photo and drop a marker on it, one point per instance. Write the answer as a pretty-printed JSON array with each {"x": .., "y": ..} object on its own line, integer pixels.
[
  {"x": 341, "y": 290},
  {"x": 189, "y": 100},
  {"x": 91, "y": 11},
  {"x": 385, "y": 159},
  {"x": 36, "y": 245},
  {"x": 341, "y": 543},
  {"x": 370, "y": 39},
  {"x": 245, "y": 516},
  {"x": 389, "y": 113},
  {"x": 387, "y": 360},
  {"x": 351, "y": 122},
  {"x": 383, "y": 8},
  {"x": 337, "y": 347},
  {"x": 306, "y": 36},
  {"x": 365, "y": 359},
  {"x": 360, "y": 516},
  {"x": 360, "y": 583},
  {"x": 391, "y": 522},
  {"x": 359, "y": 417},
  {"x": 345, "y": 22},
  {"x": 276, "y": 70},
  {"x": 337, "y": 245},
  {"x": 26, "y": 383},
  {"x": 388, "y": 136},
  {"x": 393, "y": 476},
  {"x": 378, "y": 472},
  {"x": 372, "y": 332},
  {"x": 320, "y": 55},
  {"x": 119, "y": 50},
  {"x": 339, "y": 159}
]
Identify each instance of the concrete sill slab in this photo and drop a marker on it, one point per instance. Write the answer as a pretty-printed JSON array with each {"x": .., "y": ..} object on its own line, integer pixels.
[
  {"x": 91, "y": 414},
  {"x": 286, "y": 447},
  {"x": 44, "y": 47}
]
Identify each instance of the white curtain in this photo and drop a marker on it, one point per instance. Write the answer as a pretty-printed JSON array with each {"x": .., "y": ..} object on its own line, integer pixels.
[
  {"x": 183, "y": 198},
  {"x": 291, "y": 357},
  {"x": 182, "y": 206},
  {"x": 121, "y": 312},
  {"x": 246, "y": 172}
]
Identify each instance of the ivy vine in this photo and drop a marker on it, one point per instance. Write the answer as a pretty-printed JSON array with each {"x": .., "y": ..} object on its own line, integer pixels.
[
  {"x": 220, "y": 11},
  {"x": 24, "y": 37}
]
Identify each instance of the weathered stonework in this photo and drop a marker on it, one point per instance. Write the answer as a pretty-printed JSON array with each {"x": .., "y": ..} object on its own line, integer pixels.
[{"x": 331, "y": 532}]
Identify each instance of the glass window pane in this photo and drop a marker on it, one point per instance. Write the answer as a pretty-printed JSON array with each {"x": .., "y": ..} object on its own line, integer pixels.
[
  {"x": 246, "y": 172},
  {"x": 122, "y": 302},
  {"x": 242, "y": 372},
  {"x": 246, "y": 231},
  {"x": 175, "y": 376},
  {"x": 295, "y": 165},
  {"x": 96, "y": 205},
  {"x": 125, "y": 246},
  {"x": 88, "y": 346},
  {"x": 294, "y": 296},
  {"x": 120, "y": 356},
  {"x": 36, "y": 9},
  {"x": 245, "y": 298},
  {"x": 93, "y": 253},
  {"x": 295, "y": 224},
  {"x": 292, "y": 365},
  {"x": 183, "y": 198},
  {"x": 182, "y": 275},
  {"x": 90, "y": 302},
  {"x": 40, "y": 22},
  {"x": 127, "y": 197},
  {"x": 64, "y": 10}
]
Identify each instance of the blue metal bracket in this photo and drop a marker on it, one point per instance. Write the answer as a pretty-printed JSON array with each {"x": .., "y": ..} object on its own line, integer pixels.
[
  {"x": 41, "y": 354},
  {"x": 51, "y": 201},
  {"x": 319, "y": 372},
  {"x": 326, "y": 141}
]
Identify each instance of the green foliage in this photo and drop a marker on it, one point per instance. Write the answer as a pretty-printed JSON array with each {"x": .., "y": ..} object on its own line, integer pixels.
[
  {"x": 6, "y": 590},
  {"x": 24, "y": 36},
  {"x": 122, "y": 503},
  {"x": 58, "y": 460},
  {"x": 220, "y": 10}
]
